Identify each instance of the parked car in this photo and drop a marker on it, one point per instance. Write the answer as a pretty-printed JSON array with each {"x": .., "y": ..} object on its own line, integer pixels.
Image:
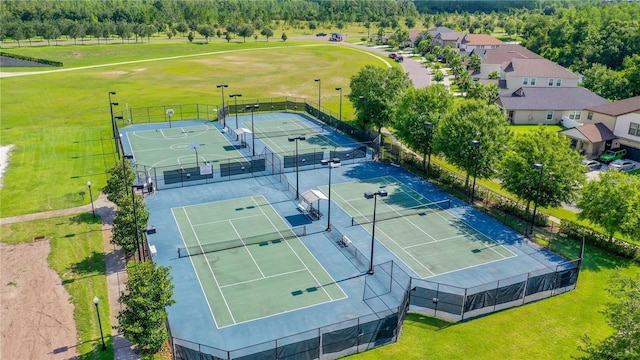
[
  {"x": 622, "y": 165},
  {"x": 613, "y": 154},
  {"x": 393, "y": 55},
  {"x": 321, "y": 34},
  {"x": 591, "y": 164},
  {"x": 399, "y": 58}
]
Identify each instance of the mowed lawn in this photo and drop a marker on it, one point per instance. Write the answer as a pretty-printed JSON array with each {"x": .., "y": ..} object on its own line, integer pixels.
[
  {"x": 60, "y": 122},
  {"x": 60, "y": 125}
]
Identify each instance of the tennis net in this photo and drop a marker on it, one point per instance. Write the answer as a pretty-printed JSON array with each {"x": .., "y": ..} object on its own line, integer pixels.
[
  {"x": 303, "y": 130},
  {"x": 421, "y": 210},
  {"x": 268, "y": 238}
]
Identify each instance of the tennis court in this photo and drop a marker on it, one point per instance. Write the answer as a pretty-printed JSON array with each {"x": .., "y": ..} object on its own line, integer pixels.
[
  {"x": 181, "y": 145},
  {"x": 249, "y": 262},
  {"x": 423, "y": 234},
  {"x": 275, "y": 134}
]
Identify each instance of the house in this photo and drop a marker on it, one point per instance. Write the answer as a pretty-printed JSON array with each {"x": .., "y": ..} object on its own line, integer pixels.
[
  {"x": 548, "y": 105},
  {"x": 591, "y": 139},
  {"x": 471, "y": 42},
  {"x": 535, "y": 72},
  {"x": 621, "y": 118},
  {"x": 448, "y": 38},
  {"x": 496, "y": 59}
]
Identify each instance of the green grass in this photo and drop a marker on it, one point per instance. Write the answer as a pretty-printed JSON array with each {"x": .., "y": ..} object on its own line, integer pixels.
[
  {"x": 521, "y": 129},
  {"x": 548, "y": 329},
  {"x": 77, "y": 255},
  {"x": 57, "y": 132}
]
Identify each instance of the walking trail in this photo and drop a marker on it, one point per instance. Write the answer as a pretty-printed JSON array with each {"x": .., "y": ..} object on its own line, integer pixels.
[{"x": 115, "y": 264}]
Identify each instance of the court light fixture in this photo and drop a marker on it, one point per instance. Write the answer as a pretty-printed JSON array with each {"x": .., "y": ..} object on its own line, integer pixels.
[
  {"x": 540, "y": 168},
  {"x": 476, "y": 145},
  {"x": 335, "y": 162},
  {"x": 96, "y": 301},
  {"x": 224, "y": 117},
  {"x": 374, "y": 195},
  {"x": 319, "y": 85},
  {"x": 340, "y": 89},
  {"x": 235, "y": 99},
  {"x": 429, "y": 128},
  {"x": 253, "y": 134},
  {"x": 93, "y": 209},
  {"x": 296, "y": 138}
]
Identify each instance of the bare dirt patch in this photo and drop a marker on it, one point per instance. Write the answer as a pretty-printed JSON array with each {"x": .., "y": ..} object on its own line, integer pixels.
[{"x": 36, "y": 316}]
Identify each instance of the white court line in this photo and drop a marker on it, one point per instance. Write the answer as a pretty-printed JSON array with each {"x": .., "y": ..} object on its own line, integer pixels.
[
  {"x": 196, "y": 271},
  {"x": 184, "y": 136},
  {"x": 466, "y": 232},
  {"x": 246, "y": 248},
  {"x": 401, "y": 248},
  {"x": 210, "y": 268},
  {"x": 433, "y": 242},
  {"x": 262, "y": 278},
  {"x": 298, "y": 256},
  {"x": 225, "y": 220}
]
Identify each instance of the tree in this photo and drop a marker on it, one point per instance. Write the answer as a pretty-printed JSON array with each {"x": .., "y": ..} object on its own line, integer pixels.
[
  {"x": 245, "y": 30},
  {"x": 473, "y": 120},
  {"x": 612, "y": 203},
  {"x": 206, "y": 31},
  {"x": 124, "y": 30},
  {"x": 438, "y": 76},
  {"x": 474, "y": 62},
  {"x": 182, "y": 27},
  {"x": 417, "y": 107},
  {"x": 623, "y": 316},
  {"x": 119, "y": 182},
  {"x": 124, "y": 223},
  {"x": 605, "y": 82},
  {"x": 562, "y": 172},
  {"x": 494, "y": 75},
  {"x": 381, "y": 89},
  {"x": 410, "y": 22},
  {"x": 149, "y": 292},
  {"x": 190, "y": 37},
  {"x": 631, "y": 73},
  {"x": 284, "y": 37},
  {"x": 267, "y": 32},
  {"x": 227, "y": 36}
]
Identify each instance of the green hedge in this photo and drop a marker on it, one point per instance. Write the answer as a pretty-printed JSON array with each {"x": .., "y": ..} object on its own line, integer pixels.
[
  {"x": 601, "y": 241},
  {"x": 28, "y": 58}
]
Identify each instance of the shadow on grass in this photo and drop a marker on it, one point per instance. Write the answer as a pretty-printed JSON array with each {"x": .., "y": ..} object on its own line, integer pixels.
[
  {"x": 94, "y": 264},
  {"x": 427, "y": 323}
]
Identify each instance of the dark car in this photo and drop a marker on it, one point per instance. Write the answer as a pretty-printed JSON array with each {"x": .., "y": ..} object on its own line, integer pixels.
[{"x": 321, "y": 34}]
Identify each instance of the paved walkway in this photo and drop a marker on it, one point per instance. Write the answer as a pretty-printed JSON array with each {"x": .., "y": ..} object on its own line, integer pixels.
[{"x": 115, "y": 263}]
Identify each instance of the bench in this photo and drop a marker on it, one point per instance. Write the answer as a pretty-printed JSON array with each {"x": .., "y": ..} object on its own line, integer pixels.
[{"x": 344, "y": 241}]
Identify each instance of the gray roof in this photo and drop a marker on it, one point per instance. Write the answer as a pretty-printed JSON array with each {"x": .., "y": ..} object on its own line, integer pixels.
[
  {"x": 539, "y": 67},
  {"x": 440, "y": 29},
  {"x": 505, "y": 53},
  {"x": 619, "y": 107},
  {"x": 551, "y": 98}
]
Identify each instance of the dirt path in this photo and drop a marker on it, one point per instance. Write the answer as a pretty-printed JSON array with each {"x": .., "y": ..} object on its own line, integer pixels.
[{"x": 36, "y": 316}]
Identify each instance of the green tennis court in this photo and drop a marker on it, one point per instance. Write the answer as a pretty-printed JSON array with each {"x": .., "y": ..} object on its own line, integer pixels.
[
  {"x": 257, "y": 266},
  {"x": 179, "y": 145},
  {"x": 275, "y": 134},
  {"x": 431, "y": 242}
]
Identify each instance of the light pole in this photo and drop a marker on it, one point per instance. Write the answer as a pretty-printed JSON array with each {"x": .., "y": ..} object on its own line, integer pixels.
[
  {"x": 124, "y": 170},
  {"x": 296, "y": 138},
  {"x": 364, "y": 113},
  {"x": 113, "y": 121},
  {"x": 253, "y": 134},
  {"x": 540, "y": 168},
  {"x": 224, "y": 117},
  {"x": 340, "y": 89},
  {"x": 170, "y": 113},
  {"x": 235, "y": 99},
  {"x": 429, "y": 126},
  {"x": 374, "y": 195},
  {"x": 335, "y": 162},
  {"x": 96, "y": 301},
  {"x": 93, "y": 210},
  {"x": 476, "y": 144},
  {"x": 319, "y": 83},
  {"x": 195, "y": 147},
  {"x": 135, "y": 218}
]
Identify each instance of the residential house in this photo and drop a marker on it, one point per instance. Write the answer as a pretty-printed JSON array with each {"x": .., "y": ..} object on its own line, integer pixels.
[
  {"x": 449, "y": 38},
  {"x": 621, "y": 118},
  {"x": 535, "y": 72},
  {"x": 497, "y": 59},
  {"x": 471, "y": 42},
  {"x": 590, "y": 139},
  {"x": 548, "y": 105}
]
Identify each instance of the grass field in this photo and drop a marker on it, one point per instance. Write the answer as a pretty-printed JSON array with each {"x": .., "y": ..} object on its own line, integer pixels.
[
  {"x": 59, "y": 123},
  {"x": 58, "y": 132}
]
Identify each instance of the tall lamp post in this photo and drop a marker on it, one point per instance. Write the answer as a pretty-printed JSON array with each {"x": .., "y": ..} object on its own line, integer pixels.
[
  {"x": 296, "y": 138},
  {"x": 374, "y": 195},
  {"x": 253, "y": 134},
  {"x": 476, "y": 145},
  {"x": 364, "y": 113},
  {"x": 540, "y": 168},
  {"x": 93, "y": 210},
  {"x": 170, "y": 113},
  {"x": 224, "y": 117},
  {"x": 135, "y": 218},
  {"x": 340, "y": 89},
  {"x": 96, "y": 301},
  {"x": 429, "y": 126},
  {"x": 235, "y": 100},
  {"x": 335, "y": 162},
  {"x": 319, "y": 83},
  {"x": 113, "y": 121}
]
